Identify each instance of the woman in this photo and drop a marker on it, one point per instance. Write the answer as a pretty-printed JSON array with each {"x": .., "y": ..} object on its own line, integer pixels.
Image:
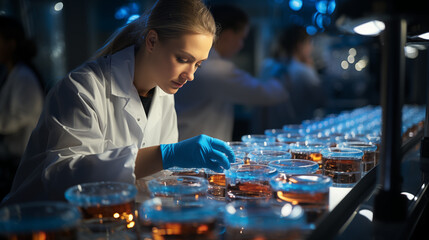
[
  {"x": 21, "y": 97},
  {"x": 113, "y": 119},
  {"x": 207, "y": 105}
]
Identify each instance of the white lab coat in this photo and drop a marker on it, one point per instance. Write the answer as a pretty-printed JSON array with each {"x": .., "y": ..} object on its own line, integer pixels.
[
  {"x": 91, "y": 129},
  {"x": 206, "y": 105},
  {"x": 21, "y": 102}
]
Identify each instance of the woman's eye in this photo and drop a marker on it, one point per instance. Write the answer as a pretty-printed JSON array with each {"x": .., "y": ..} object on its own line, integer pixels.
[{"x": 182, "y": 60}]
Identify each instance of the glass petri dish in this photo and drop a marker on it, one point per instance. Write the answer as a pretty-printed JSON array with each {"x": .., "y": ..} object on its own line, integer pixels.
[
  {"x": 248, "y": 182},
  {"x": 274, "y": 146},
  {"x": 183, "y": 219},
  {"x": 343, "y": 165},
  {"x": 196, "y": 172},
  {"x": 257, "y": 138},
  {"x": 266, "y": 156},
  {"x": 39, "y": 220},
  {"x": 100, "y": 193},
  {"x": 178, "y": 186},
  {"x": 263, "y": 220},
  {"x": 294, "y": 166}
]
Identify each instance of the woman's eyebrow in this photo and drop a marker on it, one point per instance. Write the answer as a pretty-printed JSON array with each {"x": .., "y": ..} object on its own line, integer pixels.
[{"x": 190, "y": 56}]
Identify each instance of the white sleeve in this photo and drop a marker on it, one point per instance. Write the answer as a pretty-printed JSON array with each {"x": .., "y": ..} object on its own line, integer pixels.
[{"x": 68, "y": 146}]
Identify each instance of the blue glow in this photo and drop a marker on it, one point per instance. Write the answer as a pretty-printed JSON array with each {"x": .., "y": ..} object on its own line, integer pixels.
[
  {"x": 134, "y": 7},
  {"x": 121, "y": 13},
  {"x": 311, "y": 30},
  {"x": 319, "y": 20},
  {"x": 132, "y": 18},
  {"x": 295, "y": 5},
  {"x": 325, "y": 6}
]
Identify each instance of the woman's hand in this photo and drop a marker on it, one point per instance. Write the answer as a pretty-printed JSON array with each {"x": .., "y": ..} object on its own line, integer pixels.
[{"x": 198, "y": 152}]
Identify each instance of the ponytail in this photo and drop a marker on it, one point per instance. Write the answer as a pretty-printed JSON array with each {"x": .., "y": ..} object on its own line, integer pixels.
[{"x": 169, "y": 18}]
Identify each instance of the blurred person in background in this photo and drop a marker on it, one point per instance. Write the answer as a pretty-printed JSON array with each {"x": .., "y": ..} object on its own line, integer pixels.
[
  {"x": 206, "y": 106},
  {"x": 113, "y": 118},
  {"x": 21, "y": 97},
  {"x": 292, "y": 62}
]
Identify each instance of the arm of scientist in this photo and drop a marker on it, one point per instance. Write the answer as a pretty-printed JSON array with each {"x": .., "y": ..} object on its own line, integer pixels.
[{"x": 238, "y": 86}]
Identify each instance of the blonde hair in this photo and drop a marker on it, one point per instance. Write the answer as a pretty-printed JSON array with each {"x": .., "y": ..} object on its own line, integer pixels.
[{"x": 169, "y": 18}]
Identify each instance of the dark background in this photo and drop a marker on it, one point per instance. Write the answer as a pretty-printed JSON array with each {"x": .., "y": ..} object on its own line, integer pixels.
[{"x": 68, "y": 36}]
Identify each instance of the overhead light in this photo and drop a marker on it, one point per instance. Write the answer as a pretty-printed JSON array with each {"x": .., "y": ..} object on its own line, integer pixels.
[
  {"x": 411, "y": 52},
  {"x": 424, "y": 36},
  {"x": 371, "y": 28},
  {"x": 132, "y": 18},
  {"x": 58, "y": 6},
  {"x": 295, "y": 5}
]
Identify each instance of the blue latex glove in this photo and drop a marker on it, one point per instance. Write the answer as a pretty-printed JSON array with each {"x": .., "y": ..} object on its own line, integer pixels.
[{"x": 198, "y": 152}]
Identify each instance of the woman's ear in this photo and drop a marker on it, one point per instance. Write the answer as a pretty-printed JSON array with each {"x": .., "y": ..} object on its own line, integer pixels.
[{"x": 151, "y": 40}]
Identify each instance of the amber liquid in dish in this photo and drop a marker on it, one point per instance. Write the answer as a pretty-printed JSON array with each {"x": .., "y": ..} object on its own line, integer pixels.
[
  {"x": 185, "y": 230},
  {"x": 315, "y": 157},
  {"x": 315, "y": 204},
  {"x": 369, "y": 160},
  {"x": 234, "y": 233},
  {"x": 67, "y": 234},
  {"x": 343, "y": 171},
  {"x": 118, "y": 217},
  {"x": 216, "y": 185},
  {"x": 255, "y": 190}
]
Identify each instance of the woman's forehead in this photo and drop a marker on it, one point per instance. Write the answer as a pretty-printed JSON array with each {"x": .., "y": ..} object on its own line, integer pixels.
[{"x": 197, "y": 45}]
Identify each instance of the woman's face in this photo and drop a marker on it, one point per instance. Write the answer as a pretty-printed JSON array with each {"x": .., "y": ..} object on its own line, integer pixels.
[{"x": 173, "y": 62}]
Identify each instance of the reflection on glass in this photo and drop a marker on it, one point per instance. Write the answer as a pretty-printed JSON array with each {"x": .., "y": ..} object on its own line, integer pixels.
[
  {"x": 263, "y": 220},
  {"x": 309, "y": 191},
  {"x": 39, "y": 220}
]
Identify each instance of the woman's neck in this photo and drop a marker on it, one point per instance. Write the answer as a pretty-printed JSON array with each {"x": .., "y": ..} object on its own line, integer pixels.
[{"x": 142, "y": 76}]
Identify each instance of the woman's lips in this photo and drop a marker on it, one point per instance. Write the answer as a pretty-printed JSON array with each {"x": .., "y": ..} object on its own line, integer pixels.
[{"x": 178, "y": 84}]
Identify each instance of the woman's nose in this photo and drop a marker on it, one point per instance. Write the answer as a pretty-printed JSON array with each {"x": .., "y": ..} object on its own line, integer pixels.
[{"x": 189, "y": 74}]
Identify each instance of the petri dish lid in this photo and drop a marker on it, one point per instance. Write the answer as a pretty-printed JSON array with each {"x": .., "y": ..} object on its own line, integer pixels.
[{"x": 100, "y": 193}]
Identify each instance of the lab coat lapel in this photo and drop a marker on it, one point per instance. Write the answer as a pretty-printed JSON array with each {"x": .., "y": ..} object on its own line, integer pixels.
[
  {"x": 155, "y": 109},
  {"x": 122, "y": 72}
]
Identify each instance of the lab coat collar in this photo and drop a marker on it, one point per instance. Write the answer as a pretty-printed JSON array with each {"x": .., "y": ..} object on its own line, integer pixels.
[{"x": 122, "y": 71}]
